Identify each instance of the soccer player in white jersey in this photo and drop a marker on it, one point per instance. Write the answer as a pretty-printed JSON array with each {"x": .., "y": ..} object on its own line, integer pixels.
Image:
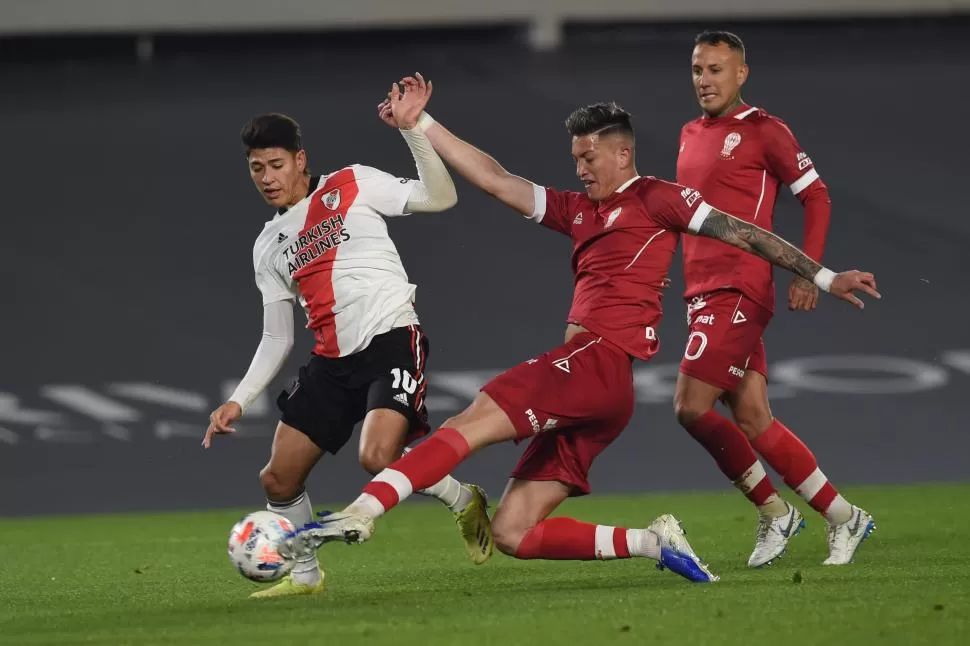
[{"x": 328, "y": 247}]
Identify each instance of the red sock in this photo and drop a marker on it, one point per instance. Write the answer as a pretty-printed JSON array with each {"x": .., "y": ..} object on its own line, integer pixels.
[
  {"x": 794, "y": 461},
  {"x": 566, "y": 539},
  {"x": 733, "y": 454},
  {"x": 421, "y": 467}
]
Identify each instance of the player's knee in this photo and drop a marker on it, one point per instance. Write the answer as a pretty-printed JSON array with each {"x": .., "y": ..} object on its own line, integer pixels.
[
  {"x": 688, "y": 411},
  {"x": 507, "y": 537},
  {"x": 376, "y": 457},
  {"x": 277, "y": 486},
  {"x": 753, "y": 421}
]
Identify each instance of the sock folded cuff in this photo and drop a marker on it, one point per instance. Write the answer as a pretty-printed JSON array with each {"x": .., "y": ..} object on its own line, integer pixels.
[
  {"x": 708, "y": 424},
  {"x": 283, "y": 504},
  {"x": 774, "y": 434},
  {"x": 530, "y": 546},
  {"x": 705, "y": 419},
  {"x": 455, "y": 440}
]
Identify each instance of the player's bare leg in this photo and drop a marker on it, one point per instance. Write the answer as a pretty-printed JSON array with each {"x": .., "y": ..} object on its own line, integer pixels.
[
  {"x": 786, "y": 454},
  {"x": 382, "y": 442},
  {"x": 523, "y": 530},
  {"x": 524, "y": 504},
  {"x": 293, "y": 456},
  {"x": 479, "y": 425},
  {"x": 381, "y": 439},
  {"x": 694, "y": 405}
]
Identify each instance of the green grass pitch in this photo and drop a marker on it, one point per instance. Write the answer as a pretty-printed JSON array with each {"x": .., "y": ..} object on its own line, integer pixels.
[{"x": 166, "y": 579}]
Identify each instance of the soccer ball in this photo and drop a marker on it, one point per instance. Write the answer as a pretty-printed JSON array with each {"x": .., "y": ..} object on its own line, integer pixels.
[{"x": 253, "y": 544}]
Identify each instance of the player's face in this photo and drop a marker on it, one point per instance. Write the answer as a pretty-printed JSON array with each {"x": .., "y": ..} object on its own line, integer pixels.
[
  {"x": 279, "y": 175},
  {"x": 718, "y": 73},
  {"x": 602, "y": 163}
]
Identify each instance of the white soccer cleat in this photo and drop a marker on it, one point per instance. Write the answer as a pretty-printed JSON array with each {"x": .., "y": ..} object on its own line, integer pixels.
[
  {"x": 773, "y": 535},
  {"x": 671, "y": 534},
  {"x": 349, "y": 526},
  {"x": 677, "y": 555},
  {"x": 844, "y": 539}
]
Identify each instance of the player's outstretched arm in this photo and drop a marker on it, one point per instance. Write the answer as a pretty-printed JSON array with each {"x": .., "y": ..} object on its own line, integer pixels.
[
  {"x": 777, "y": 251},
  {"x": 274, "y": 347},
  {"x": 471, "y": 163},
  {"x": 434, "y": 191},
  {"x": 482, "y": 170}
]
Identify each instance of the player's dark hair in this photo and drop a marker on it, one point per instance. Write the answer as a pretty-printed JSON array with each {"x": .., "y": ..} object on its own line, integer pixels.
[
  {"x": 271, "y": 131},
  {"x": 716, "y": 37},
  {"x": 602, "y": 118}
]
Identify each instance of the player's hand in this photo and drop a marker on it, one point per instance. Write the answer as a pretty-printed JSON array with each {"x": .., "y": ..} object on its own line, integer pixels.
[
  {"x": 220, "y": 420},
  {"x": 846, "y": 283},
  {"x": 385, "y": 113},
  {"x": 802, "y": 295},
  {"x": 407, "y": 100},
  {"x": 665, "y": 283}
]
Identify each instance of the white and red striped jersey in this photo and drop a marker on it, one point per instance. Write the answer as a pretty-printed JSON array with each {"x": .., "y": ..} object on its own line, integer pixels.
[{"x": 333, "y": 252}]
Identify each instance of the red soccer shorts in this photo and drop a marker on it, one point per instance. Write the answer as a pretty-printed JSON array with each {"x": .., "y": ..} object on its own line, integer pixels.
[
  {"x": 726, "y": 329},
  {"x": 572, "y": 401}
]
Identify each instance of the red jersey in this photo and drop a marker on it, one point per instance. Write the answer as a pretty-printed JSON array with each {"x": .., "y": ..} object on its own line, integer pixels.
[
  {"x": 738, "y": 162},
  {"x": 622, "y": 250}
]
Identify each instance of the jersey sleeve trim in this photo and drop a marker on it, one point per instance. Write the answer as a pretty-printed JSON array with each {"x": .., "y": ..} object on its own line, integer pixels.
[
  {"x": 703, "y": 210},
  {"x": 742, "y": 115},
  {"x": 803, "y": 182},
  {"x": 539, "y": 209},
  {"x": 400, "y": 200},
  {"x": 385, "y": 193}
]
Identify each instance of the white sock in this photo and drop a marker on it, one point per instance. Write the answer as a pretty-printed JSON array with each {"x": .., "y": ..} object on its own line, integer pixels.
[
  {"x": 643, "y": 542},
  {"x": 840, "y": 511},
  {"x": 299, "y": 512},
  {"x": 452, "y": 493},
  {"x": 774, "y": 507},
  {"x": 366, "y": 504}
]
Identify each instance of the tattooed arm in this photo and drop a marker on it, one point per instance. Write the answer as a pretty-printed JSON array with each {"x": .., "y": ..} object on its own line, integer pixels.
[{"x": 755, "y": 240}]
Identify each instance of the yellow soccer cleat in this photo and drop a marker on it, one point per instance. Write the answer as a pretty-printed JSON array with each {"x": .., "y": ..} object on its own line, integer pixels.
[
  {"x": 475, "y": 526},
  {"x": 286, "y": 588}
]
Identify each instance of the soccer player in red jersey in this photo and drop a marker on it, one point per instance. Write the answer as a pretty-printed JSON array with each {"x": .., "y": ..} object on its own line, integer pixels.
[
  {"x": 574, "y": 400},
  {"x": 738, "y": 157}
]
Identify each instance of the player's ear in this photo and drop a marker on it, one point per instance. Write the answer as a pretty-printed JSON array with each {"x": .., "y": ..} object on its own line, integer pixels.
[
  {"x": 624, "y": 154},
  {"x": 743, "y": 74},
  {"x": 301, "y": 160}
]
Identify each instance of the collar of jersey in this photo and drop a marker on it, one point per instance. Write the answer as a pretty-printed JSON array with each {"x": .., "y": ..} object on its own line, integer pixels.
[
  {"x": 314, "y": 183},
  {"x": 615, "y": 194},
  {"x": 625, "y": 185},
  {"x": 740, "y": 112}
]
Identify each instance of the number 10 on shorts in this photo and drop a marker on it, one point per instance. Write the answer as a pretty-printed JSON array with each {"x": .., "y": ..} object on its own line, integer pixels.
[{"x": 403, "y": 378}]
